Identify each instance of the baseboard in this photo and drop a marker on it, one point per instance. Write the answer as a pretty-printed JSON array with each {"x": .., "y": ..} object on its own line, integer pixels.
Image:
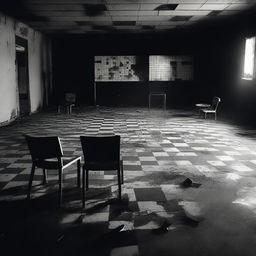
[
  {"x": 34, "y": 112},
  {"x": 8, "y": 122}
]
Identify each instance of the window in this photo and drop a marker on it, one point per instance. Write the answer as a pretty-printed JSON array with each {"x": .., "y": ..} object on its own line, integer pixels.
[{"x": 249, "y": 58}]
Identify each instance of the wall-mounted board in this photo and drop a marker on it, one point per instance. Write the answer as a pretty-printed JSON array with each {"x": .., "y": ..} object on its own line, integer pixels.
[
  {"x": 119, "y": 68},
  {"x": 170, "y": 68},
  {"x": 142, "y": 68}
]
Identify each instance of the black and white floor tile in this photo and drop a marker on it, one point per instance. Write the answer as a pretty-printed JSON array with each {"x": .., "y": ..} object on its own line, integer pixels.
[{"x": 159, "y": 150}]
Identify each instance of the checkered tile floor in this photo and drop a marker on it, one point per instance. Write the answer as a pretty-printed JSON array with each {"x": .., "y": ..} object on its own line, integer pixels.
[{"x": 159, "y": 150}]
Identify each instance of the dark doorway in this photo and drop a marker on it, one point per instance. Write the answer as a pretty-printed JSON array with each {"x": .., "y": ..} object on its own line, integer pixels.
[{"x": 22, "y": 75}]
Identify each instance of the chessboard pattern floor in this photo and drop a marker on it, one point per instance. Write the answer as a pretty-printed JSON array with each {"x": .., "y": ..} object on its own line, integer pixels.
[{"x": 159, "y": 151}]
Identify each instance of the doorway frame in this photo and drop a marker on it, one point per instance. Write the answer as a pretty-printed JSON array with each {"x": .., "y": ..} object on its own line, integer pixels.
[{"x": 23, "y": 42}]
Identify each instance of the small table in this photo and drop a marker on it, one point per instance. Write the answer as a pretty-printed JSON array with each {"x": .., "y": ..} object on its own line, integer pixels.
[
  {"x": 201, "y": 105},
  {"x": 161, "y": 94}
]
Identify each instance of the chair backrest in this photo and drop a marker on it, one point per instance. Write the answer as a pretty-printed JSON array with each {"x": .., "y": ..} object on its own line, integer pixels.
[
  {"x": 215, "y": 103},
  {"x": 44, "y": 147},
  {"x": 101, "y": 148},
  {"x": 157, "y": 88},
  {"x": 70, "y": 97}
]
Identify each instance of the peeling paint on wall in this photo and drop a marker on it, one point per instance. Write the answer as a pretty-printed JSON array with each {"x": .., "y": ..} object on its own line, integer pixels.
[
  {"x": 7, "y": 69},
  {"x": 9, "y": 104}
]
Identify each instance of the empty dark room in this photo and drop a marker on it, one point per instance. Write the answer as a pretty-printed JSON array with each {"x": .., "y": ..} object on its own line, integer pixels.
[{"x": 128, "y": 127}]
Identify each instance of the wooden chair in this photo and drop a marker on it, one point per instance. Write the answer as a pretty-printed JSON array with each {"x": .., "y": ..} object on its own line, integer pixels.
[
  {"x": 212, "y": 109},
  {"x": 101, "y": 153},
  {"x": 47, "y": 153}
]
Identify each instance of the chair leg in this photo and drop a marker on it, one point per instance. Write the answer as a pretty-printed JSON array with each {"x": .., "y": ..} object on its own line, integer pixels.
[
  {"x": 122, "y": 171},
  {"x": 215, "y": 116},
  {"x": 87, "y": 179},
  {"x": 119, "y": 184},
  {"x": 83, "y": 185},
  {"x": 79, "y": 173},
  {"x": 45, "y": 176},
  {"x": 71, "y": 108},
  {"x": 60, "y": 186},
  {"x": 31, "y": 180},
  {"x": 205, "y": 115}
]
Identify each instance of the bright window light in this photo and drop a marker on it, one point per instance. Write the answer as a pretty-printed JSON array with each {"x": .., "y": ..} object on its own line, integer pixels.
[{"x": 249, "y": 58}]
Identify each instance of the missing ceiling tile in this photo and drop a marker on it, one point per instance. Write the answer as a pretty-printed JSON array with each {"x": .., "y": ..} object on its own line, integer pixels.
[
  {"x": 94, "y": 9},
  {"x": 181, "y": 18},
  {"x": 148, "y": 27},
  {"x": 166, "y": 7},
  {"x": 214, "y": 13},
  {"x": 124, "y": 23}
]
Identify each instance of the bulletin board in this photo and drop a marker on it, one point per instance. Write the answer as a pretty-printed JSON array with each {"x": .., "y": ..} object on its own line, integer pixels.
[{"x": 118, "y": 68}]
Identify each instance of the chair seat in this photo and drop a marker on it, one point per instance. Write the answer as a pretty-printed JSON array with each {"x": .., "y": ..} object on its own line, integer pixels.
[
  {"x": 101, "y": 153},
  {"x": 53, "y": 163},
  {"x": 209, "y": 110},
  {"x": 67, "y": 104},
  {"x": 203, "y": 106},
  {"x": 47, "y": 153},
  {"x": 102, "y": 166}
]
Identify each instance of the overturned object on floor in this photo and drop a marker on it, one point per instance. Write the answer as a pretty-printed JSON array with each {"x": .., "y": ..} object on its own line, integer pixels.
[{"x": 187, "y": 183}]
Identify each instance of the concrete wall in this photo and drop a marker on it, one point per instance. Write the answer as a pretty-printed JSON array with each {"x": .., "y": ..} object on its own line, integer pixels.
[
  {"x": 35, "y": 66},
  {"x": 8, "y": 85},
  {"x": 74, "y": 70},
  {"x": 218, "y": 50},
  {"x": 37, "y": 45}
]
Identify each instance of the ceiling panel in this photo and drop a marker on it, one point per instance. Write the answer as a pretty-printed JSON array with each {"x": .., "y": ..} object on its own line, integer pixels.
[
  {"x": 137, "y": 1},
  {"x": 186, "y": 1},
  {"x": 95, "y": 16},
  {"x": 172, "y": 23},
  {"x": 123, "y": 13},
  {"x": 149, "y": 7},
  {"x": 124, "y": 7},
  {"x": 56, "y": 7},
  {"x": 59, "y": 13},
  {"x": 239, "y": 6},
  {"x": 148, "y": 23},
  {"x": 184, "y": 13},
  {"x": 196, "y": 18},
  {"x": 218, "y": 1},
  {"x": 228, "y": 13},
  {"x": 157, "y": 18},
  {"x": 214, "y": 7},
  {"x": 165, "y": 27},
  {"x": 145, "y": 13},
  {"x": 27, "y": 2},
  {"x": 127, "y": 27},
  {"x": 123, "y": 18},
  {"x": 243, "y": 1},
  {"x": 188, "y": 7}
]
